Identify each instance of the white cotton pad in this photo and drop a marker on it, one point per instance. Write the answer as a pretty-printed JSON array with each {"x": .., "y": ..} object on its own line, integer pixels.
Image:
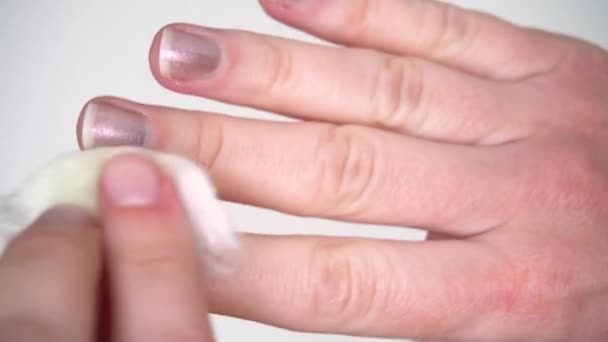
[{"x": 73, "y": 179}]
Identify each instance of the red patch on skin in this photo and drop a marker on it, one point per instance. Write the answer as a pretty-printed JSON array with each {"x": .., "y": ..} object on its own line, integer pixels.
[
  {"x": 526, "y": 287},
  {"x": 510, "y": 292}
]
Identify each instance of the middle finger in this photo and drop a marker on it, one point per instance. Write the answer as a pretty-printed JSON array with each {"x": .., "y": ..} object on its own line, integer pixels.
[{"x": 339, "y": 85}]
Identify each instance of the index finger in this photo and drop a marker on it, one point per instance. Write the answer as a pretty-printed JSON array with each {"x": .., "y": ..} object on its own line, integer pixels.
[
  {"x": 323, "y": 170},
  {"x": 49, "y": 278}
]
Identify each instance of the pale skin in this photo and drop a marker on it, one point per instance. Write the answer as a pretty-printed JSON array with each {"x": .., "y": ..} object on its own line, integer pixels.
[
  {"x": 489, "y": 135},
  {"x": 52, "y": 287}
]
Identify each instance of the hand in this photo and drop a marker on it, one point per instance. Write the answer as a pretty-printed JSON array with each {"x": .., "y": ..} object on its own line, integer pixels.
[
  {"x": 489, "y": 135},
  {"x": 51, "y": 275}
]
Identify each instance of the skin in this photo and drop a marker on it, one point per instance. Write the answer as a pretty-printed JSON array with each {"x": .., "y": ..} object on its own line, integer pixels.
[
  {"x": 131, "y": 277},
  {"x": 489, "y": 135}
]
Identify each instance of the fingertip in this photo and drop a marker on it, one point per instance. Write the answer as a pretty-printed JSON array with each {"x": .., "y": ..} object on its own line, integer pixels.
[
  {"x": 190, "y": 59},
  {"x": 79, "y": 130},
  {"x": 83, "y": 123},
  {"x": 107, "y": 121},
  {"x": 130, "y": 181},
  {"x": 153, "y": 56},
  {"x": 276, "y": 9},
  {"x": 135, "y": 188}
]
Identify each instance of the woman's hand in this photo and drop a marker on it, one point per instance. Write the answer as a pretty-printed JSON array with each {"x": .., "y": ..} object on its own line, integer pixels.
[
  {"x": 491, "y": 136},
  {"x": 51, "y": 275}
]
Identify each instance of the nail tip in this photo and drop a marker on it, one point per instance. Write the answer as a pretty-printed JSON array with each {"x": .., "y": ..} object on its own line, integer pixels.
[
  {"x": 110, "y": 124},
  {"x": 88, "y": 125},
  {"x": 165, "y": 45}
]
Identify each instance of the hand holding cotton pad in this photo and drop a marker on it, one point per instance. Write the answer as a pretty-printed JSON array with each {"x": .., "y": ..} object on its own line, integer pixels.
[{"x": 73, "y": 179}]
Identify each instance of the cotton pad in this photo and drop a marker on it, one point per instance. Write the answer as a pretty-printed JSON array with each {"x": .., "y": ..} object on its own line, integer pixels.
[{"x": 73, "y": 179}]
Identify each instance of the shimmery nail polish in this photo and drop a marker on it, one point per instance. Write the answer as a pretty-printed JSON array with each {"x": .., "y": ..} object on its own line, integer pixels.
[
  {"x": 105, "y": 124},
  {"x": 186, "y": 56}
]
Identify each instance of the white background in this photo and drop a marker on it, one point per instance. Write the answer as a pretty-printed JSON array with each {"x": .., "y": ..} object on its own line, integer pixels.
[{"x": 57, "y": 54}]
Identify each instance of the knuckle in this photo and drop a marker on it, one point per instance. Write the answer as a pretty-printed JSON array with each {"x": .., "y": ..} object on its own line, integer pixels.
[
  {"x": 210, "y": 141},
  {"x": 399, "y": 93},
  {"x": 359, "y": 17},
  {"x": 453, "y": 30},
  {"x": 152, "y": 259},
  {"x": 279, "y": 70},
  {"x": 346, "y": 171},
  {"x": 343, "y": 286}
]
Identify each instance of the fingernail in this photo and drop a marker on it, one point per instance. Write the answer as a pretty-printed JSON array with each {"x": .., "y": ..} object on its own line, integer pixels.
[
  {"x": 105, "y": 124},
  {"x": 66, "y": 214},
  {"x": 187, "y": 56},
  {"x": 130, "y": 181}
]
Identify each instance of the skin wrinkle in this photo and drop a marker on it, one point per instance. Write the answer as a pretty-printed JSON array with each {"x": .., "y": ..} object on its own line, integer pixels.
[
  {"x": 406, "y": 106},
  {"x": 507, "y": 165},
  {"x": 346, "y": 284},
  {"x": 354, "y": 175},
  {"x": 454, "y": 33},
  {"x": 280, "y": 70},
  {"x": 358, "y": 19}
]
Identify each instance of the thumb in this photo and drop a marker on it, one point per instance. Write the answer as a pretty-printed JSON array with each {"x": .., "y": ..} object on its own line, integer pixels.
[{"x": 153, "y": 264}]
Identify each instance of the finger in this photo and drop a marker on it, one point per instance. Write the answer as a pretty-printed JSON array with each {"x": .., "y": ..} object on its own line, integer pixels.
[
  {"x": 343, "y": 86},
  {"x": 153, "y": 264},
  {"x": 349, "y": 173},
  {"x": 465, "y": 39},
  {"x": 49, "y": 280},
  {"x": 364, "y": 287},
  {"x": 438, "y": 236}
]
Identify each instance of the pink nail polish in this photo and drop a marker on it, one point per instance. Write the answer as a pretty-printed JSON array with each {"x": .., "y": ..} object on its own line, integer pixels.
[
  {"x": 106, "y": 124},
  {"x": 187, "y": 56}
]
